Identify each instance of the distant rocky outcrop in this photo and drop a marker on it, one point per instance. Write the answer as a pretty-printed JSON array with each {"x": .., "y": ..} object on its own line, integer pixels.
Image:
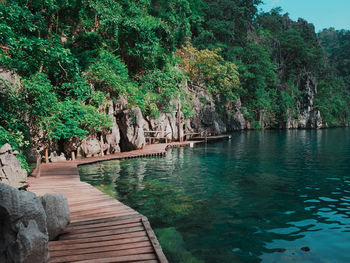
[
  {"x": 11, "y": 172},
  {"x": 206, "y": 116},
  {"x": 236, "y": 120},
  {"x": 28, "y": 222},
  {"x": 308, "y": 117}
]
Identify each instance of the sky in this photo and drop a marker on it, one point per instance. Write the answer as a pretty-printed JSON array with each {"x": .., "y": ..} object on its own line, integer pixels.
[{"x": 322, "y": 13}]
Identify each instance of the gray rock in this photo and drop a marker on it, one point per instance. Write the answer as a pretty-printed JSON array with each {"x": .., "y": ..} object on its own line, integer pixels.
[
  {"x": 166, "y": 124},
  {"x": 9, "y": 76},
  {"x": 113, "y": 138},
  {"x": 30, "y": 245},
  {"x": 308, "y": 116},
  {"x": 90, "y": 146},
  {"x": 16, "y": 176},
  {"x": 237, "y": 121},
  {"x": 9, "y": 159},
  {"x": 131, "y": 129},
  {"x": 5, "y": 148},
  {"x": 23, "y": 228},
  {"x": 54, "y": 157},
  {"x": 205, "y": 115},
  {"x": 11, "y": 171},
  {"x": 57, "y": 213}
]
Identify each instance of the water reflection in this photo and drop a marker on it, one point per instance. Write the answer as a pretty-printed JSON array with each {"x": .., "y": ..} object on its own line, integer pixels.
[{"x": 271, "y": 196}]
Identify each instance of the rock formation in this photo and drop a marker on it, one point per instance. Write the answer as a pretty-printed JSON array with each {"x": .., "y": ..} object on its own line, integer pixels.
[
  {"x": 11, "y": 172},
  {"x": 89, "y": 147},
  {"x": 113, "y": 138},
  {"x": 24, "y": 237},
  {"x": 28, "y": 222},
  {"x": 131, "y": 125},
  {"x": 236, "y": 121},
  {"x": 309, "y": 117},
  {"x": 205, "y": 114}
]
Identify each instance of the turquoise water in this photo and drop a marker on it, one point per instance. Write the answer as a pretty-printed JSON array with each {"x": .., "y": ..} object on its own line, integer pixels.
[{"x": 263, "y": 196}]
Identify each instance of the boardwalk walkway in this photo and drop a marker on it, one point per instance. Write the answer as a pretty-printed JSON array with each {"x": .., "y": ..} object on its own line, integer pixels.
[{"x": 102, "y": 229}]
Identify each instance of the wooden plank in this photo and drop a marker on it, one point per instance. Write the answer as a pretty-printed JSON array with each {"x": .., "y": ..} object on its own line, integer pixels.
[
  {"x": 106, "y": 224},
  {"x": 104, "y": 228},
  {"x": 102, "y": 233},
  {"x": 98, "y": 239},
  {"x": 104, "y": 220},
  {"x": 132, "y": 258},
  {"x": 106, "y": 254},
  {"x": 101, "y": 248},
  {"x": 53, "y": 246}
]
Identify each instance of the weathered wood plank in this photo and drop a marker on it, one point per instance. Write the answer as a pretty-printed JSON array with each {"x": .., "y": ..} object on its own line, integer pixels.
[
  {"x": 55, "y": 247},
  {"x": 106, "y": 254}
]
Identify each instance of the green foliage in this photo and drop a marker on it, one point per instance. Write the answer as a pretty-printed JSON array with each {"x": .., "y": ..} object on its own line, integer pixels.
[
  {"x": 288, "y": 102},
  {"x": 161, "y": 88},
  {"x": 333, "y": 101},
  {"x": 259, "y": 81},
  {"x": 109, "y": 75},
  {"x": 74, "y": 119},
  {"x": 206, "y": 68}
]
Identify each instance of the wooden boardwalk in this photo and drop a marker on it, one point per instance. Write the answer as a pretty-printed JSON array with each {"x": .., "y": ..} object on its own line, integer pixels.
[{"x": 102, "y": 229}]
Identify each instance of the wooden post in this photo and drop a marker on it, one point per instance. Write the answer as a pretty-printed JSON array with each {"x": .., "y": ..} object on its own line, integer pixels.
[
  {"x": 73, "y": 156},
  {"x": 47, "y": 155}
]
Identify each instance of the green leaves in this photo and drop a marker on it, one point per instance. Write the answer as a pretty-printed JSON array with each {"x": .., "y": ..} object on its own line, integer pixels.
[
  {"x": 207, "y": 68},
  {"x": 74, "y": 119}
]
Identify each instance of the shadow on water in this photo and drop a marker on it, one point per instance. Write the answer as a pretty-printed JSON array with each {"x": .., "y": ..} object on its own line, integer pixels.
[{"x": 264, "y": 196}]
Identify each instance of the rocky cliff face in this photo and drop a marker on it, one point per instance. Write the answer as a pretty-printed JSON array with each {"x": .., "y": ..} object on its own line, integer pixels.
[{"x": 308, "y": 117}]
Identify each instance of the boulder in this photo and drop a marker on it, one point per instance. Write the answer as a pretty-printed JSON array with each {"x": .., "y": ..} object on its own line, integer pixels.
[
  {"x": 54, "y": 157},
  {"x": 11, "y": 171},
  {"x": 23, "y": 227},
  {"x": 131, "y": 125},
  {"x": 90, "y": 146},
  {"x": 5, "y": 148},
  {"x": 57, "y": 213}
]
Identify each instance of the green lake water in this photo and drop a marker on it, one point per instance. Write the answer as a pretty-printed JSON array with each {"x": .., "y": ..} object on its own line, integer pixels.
[{"x": 263, "y": 196}]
